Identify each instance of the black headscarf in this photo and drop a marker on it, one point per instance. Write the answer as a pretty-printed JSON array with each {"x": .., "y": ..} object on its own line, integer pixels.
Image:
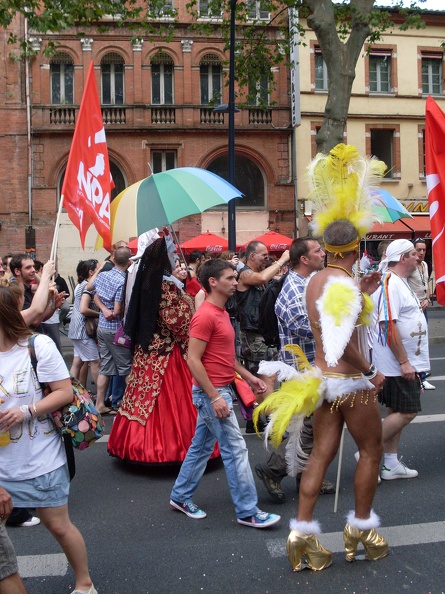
[{"x": 142, "y": 314}]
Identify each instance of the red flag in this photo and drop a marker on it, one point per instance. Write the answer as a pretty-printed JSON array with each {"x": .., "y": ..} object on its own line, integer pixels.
[
  {"x": 435, "y": 182},
  {"x": 87, "y": 184}
]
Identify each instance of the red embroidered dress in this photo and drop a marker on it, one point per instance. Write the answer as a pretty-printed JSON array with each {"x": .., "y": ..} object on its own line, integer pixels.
[{"x": 156, "y": 421}]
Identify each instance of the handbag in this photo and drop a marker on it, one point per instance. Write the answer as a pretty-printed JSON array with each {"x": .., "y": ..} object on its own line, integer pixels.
[
  {"x": 244, "y": 391},
  {"x": 80, "y": 419},
  {"x": 91, "y": 324},
  {"x": 122, "y": 339}
]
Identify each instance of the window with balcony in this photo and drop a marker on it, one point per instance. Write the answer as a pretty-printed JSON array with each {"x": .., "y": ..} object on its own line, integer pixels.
[
  {"x": 112, "y": 79},
  {"x": 163, "y": 8},
  {"x": 210, "y": 8},
  {"x": 210, "y": 73},
  {"x": 380, "y": 72},
  {"x": 162, "y": 79},
  {"x": 248, "y": 178},
  {"x": 321, "y": 71},
  {"x": 163, "y": 160},
  {"x": 62, "y": 79},
  {"x": 259, "y": 90},
  {"x": 257, "y": 10},
  {"x": 432, "y": 74}
]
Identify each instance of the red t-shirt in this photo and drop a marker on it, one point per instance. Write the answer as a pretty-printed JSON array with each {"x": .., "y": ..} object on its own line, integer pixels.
[{"x": 212, "y": 324}]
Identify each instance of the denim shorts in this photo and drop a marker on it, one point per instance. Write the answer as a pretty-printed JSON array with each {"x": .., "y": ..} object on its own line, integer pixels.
[{"x": 48, "y": 490}]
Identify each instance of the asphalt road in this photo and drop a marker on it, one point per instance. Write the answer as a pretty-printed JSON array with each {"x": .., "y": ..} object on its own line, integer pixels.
[{"x": 137, "y": 544}]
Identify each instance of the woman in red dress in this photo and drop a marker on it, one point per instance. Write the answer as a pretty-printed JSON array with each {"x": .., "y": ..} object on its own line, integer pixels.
[{"x": 156, "y": 421}]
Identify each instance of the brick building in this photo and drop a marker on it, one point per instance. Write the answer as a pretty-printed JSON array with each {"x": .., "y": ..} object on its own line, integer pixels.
[{"x": 157, "y": 100}]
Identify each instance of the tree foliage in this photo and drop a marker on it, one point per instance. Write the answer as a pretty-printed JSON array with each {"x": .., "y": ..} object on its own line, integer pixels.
[{"x": 261, "y": 38}]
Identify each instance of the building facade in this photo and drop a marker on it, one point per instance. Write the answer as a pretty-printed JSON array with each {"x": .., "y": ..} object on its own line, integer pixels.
[
  {"x": 158, "y": 98},
  {"x": 386, "y": 115}
]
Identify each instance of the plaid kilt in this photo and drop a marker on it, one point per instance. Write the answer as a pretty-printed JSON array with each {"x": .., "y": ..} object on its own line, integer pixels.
[{"x": 401, "y": 395}]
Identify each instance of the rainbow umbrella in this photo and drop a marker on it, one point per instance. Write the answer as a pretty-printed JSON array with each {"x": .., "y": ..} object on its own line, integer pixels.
[
  {"x": 387, "y": 208},
  {"x": 165, "y": 197}
]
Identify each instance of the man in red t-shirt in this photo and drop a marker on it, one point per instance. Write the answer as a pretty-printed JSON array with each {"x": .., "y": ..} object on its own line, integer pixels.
[{"x": 211, "y": 359}]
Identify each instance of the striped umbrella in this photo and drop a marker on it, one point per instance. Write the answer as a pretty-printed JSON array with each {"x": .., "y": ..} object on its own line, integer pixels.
[{"x": 165, "y": 197}]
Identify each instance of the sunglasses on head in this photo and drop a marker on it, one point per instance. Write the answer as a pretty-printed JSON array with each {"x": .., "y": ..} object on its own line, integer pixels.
[{"x": 419, "y": 240}]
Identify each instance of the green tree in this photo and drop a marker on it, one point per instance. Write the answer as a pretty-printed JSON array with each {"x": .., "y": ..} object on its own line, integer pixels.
[{"x": 341, "y": 29}]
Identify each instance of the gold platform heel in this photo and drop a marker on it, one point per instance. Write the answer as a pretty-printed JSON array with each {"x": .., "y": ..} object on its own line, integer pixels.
[
  {"x": 303, "y": 542},
  {"x": 364, "y": 531}
]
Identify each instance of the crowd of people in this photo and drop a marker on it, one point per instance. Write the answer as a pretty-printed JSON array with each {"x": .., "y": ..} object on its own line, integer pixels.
[{"x": 163, "y": 341}]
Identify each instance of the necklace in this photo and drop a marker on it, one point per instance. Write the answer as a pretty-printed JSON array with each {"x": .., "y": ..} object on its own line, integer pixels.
[
  {"x": 405, "y": 282},
  {"x": 341, "y": 268},
  {"x": 422, "y": 274}
]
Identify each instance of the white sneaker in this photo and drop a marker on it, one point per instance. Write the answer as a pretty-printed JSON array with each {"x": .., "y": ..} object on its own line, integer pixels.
[
  {"x": 357, "y": 457},
  {"x": 427, "y": 386},
  {"x": 33, "y": 521},
  {"x": 401, "y": 471},
  {"x": 92, "y": 590}
]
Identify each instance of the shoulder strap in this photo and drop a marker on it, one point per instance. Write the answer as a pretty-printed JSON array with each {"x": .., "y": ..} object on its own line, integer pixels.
[{"x": 32, "y": 351}]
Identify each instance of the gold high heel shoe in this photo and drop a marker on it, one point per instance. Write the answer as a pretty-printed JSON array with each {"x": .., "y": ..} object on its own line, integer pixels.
[
  {"x": 301, "y": 543},
  {"x": 364, "y": 531}
]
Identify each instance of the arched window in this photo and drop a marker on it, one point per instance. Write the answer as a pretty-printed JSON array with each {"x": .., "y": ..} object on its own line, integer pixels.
[
  {"x": 210, "y": 72},
  {"x": 112, "y": 78},
  {"x": 162, "y": 79},
  {"x": 248, "y": 179},
  {"x": 62, "y": 79}
]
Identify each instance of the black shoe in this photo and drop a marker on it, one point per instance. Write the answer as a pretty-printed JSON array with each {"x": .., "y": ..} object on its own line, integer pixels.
[
  {"x": 250, "y": 428},
  {"x": 274, "y": 489}
]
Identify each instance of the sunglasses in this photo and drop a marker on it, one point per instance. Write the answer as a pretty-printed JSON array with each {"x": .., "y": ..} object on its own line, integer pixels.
[{"x": 419, "y": 240}]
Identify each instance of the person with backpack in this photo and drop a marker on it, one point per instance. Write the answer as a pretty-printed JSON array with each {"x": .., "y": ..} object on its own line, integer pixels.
[{"x": 288, "y": 314}]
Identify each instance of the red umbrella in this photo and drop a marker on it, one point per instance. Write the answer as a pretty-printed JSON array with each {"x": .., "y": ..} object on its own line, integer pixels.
[
  {"x": 207, "y": 242},
  {"x": 275, "y": 242}
]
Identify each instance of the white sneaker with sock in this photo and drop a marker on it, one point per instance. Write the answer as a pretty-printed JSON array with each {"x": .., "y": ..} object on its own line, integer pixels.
[
  {"x": 401, "y": 471},
  {"x": 427, "y": 386}
]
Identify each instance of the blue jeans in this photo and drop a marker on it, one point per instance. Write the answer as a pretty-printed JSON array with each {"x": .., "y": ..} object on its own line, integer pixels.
[{"x": 234, "y": 454}]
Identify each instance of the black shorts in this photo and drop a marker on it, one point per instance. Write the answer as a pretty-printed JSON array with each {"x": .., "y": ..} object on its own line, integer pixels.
[{"x": 401, "y": 395}]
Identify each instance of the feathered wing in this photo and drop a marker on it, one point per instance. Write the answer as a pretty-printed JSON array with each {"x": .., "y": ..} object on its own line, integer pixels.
[
  {"x": 296, "y": 458},
  {"x": 339, "y": 306}
]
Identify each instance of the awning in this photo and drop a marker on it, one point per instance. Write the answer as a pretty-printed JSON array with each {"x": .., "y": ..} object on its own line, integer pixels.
[{"x": 418, "y": 226}]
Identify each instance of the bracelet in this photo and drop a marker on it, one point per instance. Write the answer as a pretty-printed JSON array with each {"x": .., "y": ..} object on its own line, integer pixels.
[
  {"x": 25, "y": 412},
  {"x": 403, "y": 362},
  {"x": 371, "y": 373},
  {"x": 33, "y": 410},
  {"x": 215, "y": 399}
]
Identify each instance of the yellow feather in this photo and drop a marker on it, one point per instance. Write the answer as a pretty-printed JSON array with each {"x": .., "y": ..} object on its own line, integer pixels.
[
  {"x": 339, "y": 188},
  {"x": 301, "y": 361},
  {"x": 368, "y": 308},
  {"x": 294, "y": 397},
  {"x": 337, "y": 301}
]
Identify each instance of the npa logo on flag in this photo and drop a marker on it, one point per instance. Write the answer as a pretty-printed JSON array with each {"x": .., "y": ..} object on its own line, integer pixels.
[
  {"x": 87, "y": 184},
  {"x": 435, "y": 181}
]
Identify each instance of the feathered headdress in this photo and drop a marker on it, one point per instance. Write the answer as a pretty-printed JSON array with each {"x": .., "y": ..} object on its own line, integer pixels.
[{"x": 340, "y": 185}]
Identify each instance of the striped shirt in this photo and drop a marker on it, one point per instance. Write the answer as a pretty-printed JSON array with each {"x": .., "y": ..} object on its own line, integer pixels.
[
  {"x": 293, "y": 321},
  {"x": 77, "y": 323}
]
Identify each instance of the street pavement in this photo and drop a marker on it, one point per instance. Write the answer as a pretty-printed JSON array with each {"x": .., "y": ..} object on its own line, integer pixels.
[{"x": 137, "y": 544}]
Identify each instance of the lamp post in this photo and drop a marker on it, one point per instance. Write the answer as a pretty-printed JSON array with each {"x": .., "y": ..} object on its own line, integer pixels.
[{"x": 230, "y": 108}]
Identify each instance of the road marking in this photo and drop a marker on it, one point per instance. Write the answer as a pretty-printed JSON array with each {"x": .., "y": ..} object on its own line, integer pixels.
[
  {"x": 437, "y": 358},
  {"x": 42, "y": 565},
  {"x": 397, "y": 536},
  {"x": 418, "y": 419},
  {"x": 428, "y": 419},
  {"x": 437, "y": 378}
]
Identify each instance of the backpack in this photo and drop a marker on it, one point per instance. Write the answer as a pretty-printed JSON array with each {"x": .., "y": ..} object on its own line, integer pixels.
[
  {"x": 79, "y": 420},
  {"x": 267, "y": 319}
]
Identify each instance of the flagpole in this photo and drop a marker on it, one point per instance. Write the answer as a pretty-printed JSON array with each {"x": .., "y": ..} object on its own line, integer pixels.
[{"x": 53, "y": 252}]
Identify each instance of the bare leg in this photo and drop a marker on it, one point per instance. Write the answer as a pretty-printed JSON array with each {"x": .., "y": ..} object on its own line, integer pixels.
[
  {"x": 76, "y": 367},
  {"x": 94, "y": 369},
  {"x": 57, "y": 521},
  {"x": 83, "y": 375},
  {"x": 365, "y": 426},
  {"x": 102, "y": 385},
  {"x": 327, "y": 433},
  {"x": 12, "y": 585},
  {"x": 392, "y": 429}
]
